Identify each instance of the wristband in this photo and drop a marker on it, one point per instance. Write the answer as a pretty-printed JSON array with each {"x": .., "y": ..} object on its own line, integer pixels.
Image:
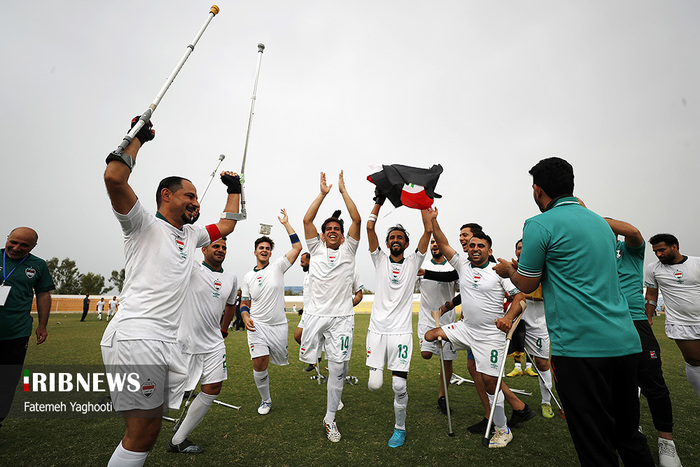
[
  {"x": 245, "y": 309},
  {"x": 651, "y": 302},
  {"x": 224, "y": 333},
  {"x": 294, "y": 238},
  {"x": 121, "y": 157},
  {"x": 372, "y": 218}
]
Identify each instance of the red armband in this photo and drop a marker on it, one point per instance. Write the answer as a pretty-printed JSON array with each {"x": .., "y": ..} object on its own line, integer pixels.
[{"x": 214, "y": 232}]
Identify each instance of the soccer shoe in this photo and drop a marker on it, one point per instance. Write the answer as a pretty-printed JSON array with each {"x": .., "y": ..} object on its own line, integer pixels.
[
  {"x": 351, "y": 380},
  {"x": 331, "y": 431},
  {"x": 516, "y": 372},
  {"x": 501, "y": 438},
  {"x": 442, "y": 406},
  {"x": 479, "y": 427},
  {"x": 265, "y": 407},
  {"x": 668, "y": 457},
  {"x": 186, "y": 447},
  {"x": 398, "y": 438},
  {"x": 310, "y": 367},
  {"x": 530, "y": 372},
  {"x": 547, "y": 411},
  {"x": 519, "y": 416}
]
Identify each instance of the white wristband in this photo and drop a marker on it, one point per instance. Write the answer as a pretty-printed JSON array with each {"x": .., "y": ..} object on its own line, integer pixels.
[{"x": 372, "y": 218}]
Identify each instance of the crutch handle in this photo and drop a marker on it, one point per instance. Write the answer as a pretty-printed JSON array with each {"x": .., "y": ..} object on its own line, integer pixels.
[{"x": 214, "y": 10}]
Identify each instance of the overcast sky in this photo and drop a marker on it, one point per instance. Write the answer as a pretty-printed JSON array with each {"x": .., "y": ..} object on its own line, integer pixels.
[{"x": 484, "y": 88}]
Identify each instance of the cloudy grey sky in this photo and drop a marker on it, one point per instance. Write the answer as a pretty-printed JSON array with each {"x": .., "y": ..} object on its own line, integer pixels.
[{"x": 484, "y": 88}]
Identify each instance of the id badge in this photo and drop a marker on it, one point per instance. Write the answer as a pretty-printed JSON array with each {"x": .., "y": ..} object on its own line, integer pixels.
[{"x": 4, "y": 292}]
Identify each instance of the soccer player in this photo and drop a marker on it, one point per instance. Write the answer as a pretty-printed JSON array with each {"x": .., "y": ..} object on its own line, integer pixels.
[
  {"x": 483, "y": 294},
  {"x": 113, "y": 304},
  {"x": 329, "y": 319},
  {"x": 159, "y": 254},
  {"x": 537, "y": 340},
  {"x": 678, "y": 278},
  {"x": 262, "y": 310},
  {"x": 100, "y": 308},
  {"x": 390, "y": 334},
  {"x": 595, "y": 347},
  {"x": 433, "y": 294},
  {"x": 201, "y": 338},
  {"x": 630, "y": 266}
]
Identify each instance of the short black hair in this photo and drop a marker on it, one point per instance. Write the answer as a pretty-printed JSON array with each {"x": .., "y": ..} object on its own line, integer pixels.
[
  {"x": 554, "y": 175},
  {"x": 306, "y": 255},
  {"x": 400, "y": 228},
  {"x": 473, "y": 226},
  {"x": 667, "y": 238},
  {"x": 172, "y": 183},
  {"x": 334, "y": 218},
  {"x": 516, "y": 243},
  {"x": 265, "y": 239},
  {"x": 480, "y": 234}
]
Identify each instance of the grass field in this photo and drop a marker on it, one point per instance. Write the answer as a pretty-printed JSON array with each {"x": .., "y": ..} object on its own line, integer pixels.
[{"x": 292, "y": 433}]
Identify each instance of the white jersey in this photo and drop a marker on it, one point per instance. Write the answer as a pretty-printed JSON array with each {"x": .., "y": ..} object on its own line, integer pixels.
[
  {"x": 483, "y": 295},
  {"x": 680, "y": 286},
  {"x": 305, "y": 292},
  {"x": 434, "y": 294},
  {"x": 533, "y": 317},
  {"x": 265, "y": 290},
  {"x": 159, "y": 259},
  {"x": 210, "y": 291},
  {"x": 113, "y": 305},
  {"x": 392, "y": 310},
  {"x": 100, "y": 306},
  {"x": 356, "y": 283},
  {"x": 330, "y": 278}
]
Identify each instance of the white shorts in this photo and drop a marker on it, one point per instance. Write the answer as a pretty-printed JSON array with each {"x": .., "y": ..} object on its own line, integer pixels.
[
  {"x": 270, "y": 340},
  {"x": 160, "y": 373},
  {"x": 332, "y": 334},
  {"x": 682, "y": 332},
  {"x": 488, "y": 353},
  {"x": 207, "y": 367},
  {"x": 394, "y": 349},
  {"x": 537, "y": 346},
  {"x": 448, "y": 351}
]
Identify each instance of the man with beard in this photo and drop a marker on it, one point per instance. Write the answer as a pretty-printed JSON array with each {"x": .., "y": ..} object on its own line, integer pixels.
[
  {"x": 483, "y": 294},
  {"x": 390, "y": 334},
  {"x": 433, "y": 294},
  {"x": 678, "y": 278},
  {"x": 262, "y": 310},
  {"x": 159, "y": 254},
  {"x": 329, "y": 319}
]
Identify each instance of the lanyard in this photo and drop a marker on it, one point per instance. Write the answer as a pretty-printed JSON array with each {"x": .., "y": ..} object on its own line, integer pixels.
[{"x": 5, "y": 277}]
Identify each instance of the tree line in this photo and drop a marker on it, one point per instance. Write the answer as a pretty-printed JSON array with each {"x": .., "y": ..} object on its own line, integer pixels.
[{"x": 70, "y": 281}]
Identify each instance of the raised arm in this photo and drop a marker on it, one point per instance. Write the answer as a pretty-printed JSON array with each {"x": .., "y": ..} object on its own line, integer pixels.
[
  {"x": 354, "y": 229},
  {"x": 427, "y": 231},
  {"x": 439, "y": 236},
  {"x": 633, "y": 237},
  {"x": 233, "y": 187},
  {"x": 371, "y": 233},
  {"x": 309, "y": 227},
  {"x": 292, "y": 254}
]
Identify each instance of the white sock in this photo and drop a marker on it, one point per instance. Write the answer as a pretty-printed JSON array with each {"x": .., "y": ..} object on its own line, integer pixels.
[
  {"x": 547, "y": 377},
  {"x": 499, "y": 415},
  {"x": 398, "y": 384},
  {"x": 693, "y": 375},
  {"x": 123, "y": 458},
  {"x": 334, "y": 391},
  {"x": 528, "y": 365},
  {"x": 195, "y": 414},
  {"x": 376, "y": 379},
  {"x": 517, "y": 366},
  {"x": 262, "y": 381}
]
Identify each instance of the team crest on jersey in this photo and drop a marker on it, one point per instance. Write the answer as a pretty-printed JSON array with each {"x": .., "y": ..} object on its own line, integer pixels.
[
  {"x": 477, "y": 278},
  {"x": 252, "y": 347},
  {"x": 679, "y": 276},
  {"x": 395, "y": 271},
  {"x": 332, "y": 256},
  {"x": 148, "y": 388},
  {"x": 30, "y": 272},
  {"x": 652, "y": 353},
  {"x": 619, "y": 254},
  {"x": 180, "y": 244},
  {"x": 259, "y": 279},
  {"x": 217, "y": 287}
]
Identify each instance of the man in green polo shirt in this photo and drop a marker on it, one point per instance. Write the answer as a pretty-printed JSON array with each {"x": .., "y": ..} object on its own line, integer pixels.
[
  {"x": 595, "y": 347},
  {"x": 22, "y": 275}
]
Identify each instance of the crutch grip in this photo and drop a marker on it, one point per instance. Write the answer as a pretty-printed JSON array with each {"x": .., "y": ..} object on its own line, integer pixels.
[{"x": 214, "y": 9}]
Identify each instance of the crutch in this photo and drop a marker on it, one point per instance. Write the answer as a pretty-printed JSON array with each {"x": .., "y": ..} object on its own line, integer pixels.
[
  {"x": 146, "y": 116},
  {"x": 216, "y": 401},
  {"x": 178, "y": 420},
  {"x": 458, "y": 380},
  {"x": 211, "y": 177},
  {"x": 561, "y": 410},
  {"x": 436, "y": 315},
  {"x": 509, "y": 336},
  {"x": 243, "y": 214}
]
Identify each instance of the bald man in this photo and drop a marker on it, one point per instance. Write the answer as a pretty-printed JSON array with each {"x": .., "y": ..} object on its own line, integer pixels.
[{"x": 23, "y": 275}]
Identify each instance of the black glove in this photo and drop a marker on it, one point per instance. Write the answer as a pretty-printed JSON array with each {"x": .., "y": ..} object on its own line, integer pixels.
[
  {"x": 145, "y": 134},
  {"x": 233, "y": 184},
  {"x": 379, "y": 198},
  {"x": 224, "y": 333}
]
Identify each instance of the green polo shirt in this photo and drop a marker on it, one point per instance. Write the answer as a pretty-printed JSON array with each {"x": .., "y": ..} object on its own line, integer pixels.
[
  {"x": 630, "y": 269},
  {"x": 29, "y": 277},
  {"x": 572, "y": 249}
]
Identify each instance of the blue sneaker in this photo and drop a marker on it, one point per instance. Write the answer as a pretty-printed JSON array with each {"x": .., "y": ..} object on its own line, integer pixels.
[{"x": 398, "y": 438}]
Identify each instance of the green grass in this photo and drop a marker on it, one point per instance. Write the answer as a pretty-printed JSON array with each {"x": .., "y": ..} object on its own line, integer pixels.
[{"x": 292, "y": 433}]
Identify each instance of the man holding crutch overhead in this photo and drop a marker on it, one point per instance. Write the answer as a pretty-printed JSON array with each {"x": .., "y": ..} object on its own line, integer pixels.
[
  {"x": 595, "y": 347},
  {"x": 328, "y": 316},
  {"x": 160, "y": 256},
  {"x": 483, "y": 294}
]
